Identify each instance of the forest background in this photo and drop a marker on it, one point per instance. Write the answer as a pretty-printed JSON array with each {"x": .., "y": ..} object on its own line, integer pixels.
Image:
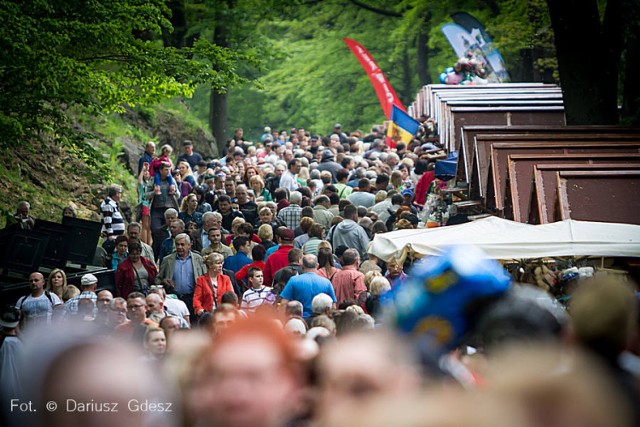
[{"x": 84, "y": 84}]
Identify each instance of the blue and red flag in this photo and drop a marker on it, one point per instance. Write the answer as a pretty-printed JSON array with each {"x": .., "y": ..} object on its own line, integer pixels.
[{"x": 402, "y": 127}]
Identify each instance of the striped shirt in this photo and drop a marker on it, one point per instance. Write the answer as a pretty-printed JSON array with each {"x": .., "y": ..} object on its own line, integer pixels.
[
  {"x": 254, "y": 298},
  {"x": 112, "y": 220}
]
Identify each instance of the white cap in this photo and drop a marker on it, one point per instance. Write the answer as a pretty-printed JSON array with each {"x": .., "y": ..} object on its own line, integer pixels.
[
  {"x": 295, "y": 326},
  {"x": 88, "y": 280}
]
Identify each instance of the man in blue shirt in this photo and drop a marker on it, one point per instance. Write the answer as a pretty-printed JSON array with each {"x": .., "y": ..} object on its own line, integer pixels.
[
  {"x": 307, "y": 285},
  {"x": 147, "y": 156},
  {"x": 242, "y": 245},
  {"x": 183, "y": 267},
  {"x": 176, "y": 227}
]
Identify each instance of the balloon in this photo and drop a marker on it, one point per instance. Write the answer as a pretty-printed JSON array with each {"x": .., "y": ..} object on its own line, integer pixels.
[
  {"x": 434, "y": 300},
  {"x": 454, "y": 78}
]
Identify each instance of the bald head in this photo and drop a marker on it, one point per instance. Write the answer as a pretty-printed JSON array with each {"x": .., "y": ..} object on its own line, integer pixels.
[
  {"x": 309, "y": 262},
  {"x": 155, "y": 303}
]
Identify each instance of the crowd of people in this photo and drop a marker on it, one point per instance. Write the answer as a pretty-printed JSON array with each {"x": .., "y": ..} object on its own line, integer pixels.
[{"x": 245, "y": 295}]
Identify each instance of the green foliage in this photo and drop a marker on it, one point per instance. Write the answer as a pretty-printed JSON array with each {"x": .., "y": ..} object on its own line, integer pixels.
[
  {"x": 100, "y": 55},
  {"x": 312, "y": 80}
]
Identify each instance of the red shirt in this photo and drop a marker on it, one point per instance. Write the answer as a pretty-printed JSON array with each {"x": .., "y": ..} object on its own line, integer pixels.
[
  {"x": 348, "y": 283},
  {"x": 275, "y": 262},
  {"x": 423, "y": 186},
  {"x": 284, "y": 203},
  {"x": 244, "y": 271}
]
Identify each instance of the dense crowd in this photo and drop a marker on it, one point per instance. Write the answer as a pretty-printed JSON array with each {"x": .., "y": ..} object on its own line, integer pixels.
[{"x": 245, "y": 295}]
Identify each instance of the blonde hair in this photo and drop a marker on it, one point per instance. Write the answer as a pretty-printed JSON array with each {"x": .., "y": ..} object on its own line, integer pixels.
[
  {"x": 395, "y": 179},
  {"x": 212, "y": 257},
  {"x": 407, "y": 161},
  {"x": 265, "y": 232},
  {"x": 379, "y": 285},
  {"x": 236, "y": 222},
  {"x": 49, "y": 286},
  {"x": 369, "y": 276},
  {"x": 70, "y": 292},
  {"x": 189, "y": 170},
  {"x": 256, "y": 179},
  {"x": 185, "y": 201},
  {"x": 304, "y": 173},
  {"x": 166, "y": 148},
  {"x": 325, "y": 245},
  {"x": 265, "y": 210}
]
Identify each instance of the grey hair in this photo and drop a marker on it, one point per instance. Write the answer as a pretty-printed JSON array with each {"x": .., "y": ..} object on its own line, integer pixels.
[
  {"x": 116, "y": 300},
  {"x": 134, "y": 224},
  {"x": 206, "y": 216},
  {"x": 183, "y": 236},
  {"x": 113, "y": 189},
  {"x": 170, "y": 211},
  {"x": 321, "y": 303},
  {"x": 309, "y": 261},
  {"x": 295, "y": 197}
]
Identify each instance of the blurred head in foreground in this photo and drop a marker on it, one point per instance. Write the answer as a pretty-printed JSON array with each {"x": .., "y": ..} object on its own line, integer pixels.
[{"x": 249, "y": 377}]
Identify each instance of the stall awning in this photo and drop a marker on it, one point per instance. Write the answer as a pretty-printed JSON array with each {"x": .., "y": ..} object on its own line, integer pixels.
[{"x": 504, "y": 239}]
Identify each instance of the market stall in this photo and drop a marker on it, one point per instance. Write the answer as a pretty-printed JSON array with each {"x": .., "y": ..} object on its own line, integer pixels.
[{"x": 506, "y": 240}]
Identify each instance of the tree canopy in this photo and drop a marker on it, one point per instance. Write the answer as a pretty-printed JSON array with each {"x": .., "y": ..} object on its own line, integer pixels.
[
  {"x": 100, "y": 55},
  {"x": 312, "y": 80}
]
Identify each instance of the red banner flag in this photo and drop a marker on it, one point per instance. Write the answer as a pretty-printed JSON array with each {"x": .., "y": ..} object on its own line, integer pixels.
[{"x": 385, "y": 92}]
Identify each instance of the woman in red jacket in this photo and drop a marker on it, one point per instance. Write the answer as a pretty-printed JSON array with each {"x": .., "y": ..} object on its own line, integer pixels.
[
  {"x": 136, "y": 272},
  {"x": 210, "y": 287}
]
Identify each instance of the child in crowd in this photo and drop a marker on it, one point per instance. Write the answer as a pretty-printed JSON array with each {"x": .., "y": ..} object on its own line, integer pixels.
[
  {"x": 154, "y": 169},
  {"x": 144, "y": 204},
  {"x": 257, "y": 294}
]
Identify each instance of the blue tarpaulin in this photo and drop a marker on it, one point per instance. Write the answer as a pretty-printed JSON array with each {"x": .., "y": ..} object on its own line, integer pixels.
[{"x": 446, "y": 169}]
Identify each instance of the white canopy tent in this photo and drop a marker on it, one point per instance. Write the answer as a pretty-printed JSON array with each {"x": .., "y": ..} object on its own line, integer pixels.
[{"x": 504, "y": 239}]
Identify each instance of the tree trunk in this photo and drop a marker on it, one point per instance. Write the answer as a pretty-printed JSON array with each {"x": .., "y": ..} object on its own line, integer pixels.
[
  {"x": 178, "y": 19},
  {"x": 589, "y": 89},
  {"x": 218, "y": 120},
  {"x": 408, "y": 91},
  {"x": 423, "y": 51},
  {"x": 218, "y": 100},
  {"x": 631, "y": 90}
]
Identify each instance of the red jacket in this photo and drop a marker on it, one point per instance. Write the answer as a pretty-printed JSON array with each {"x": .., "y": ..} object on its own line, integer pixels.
[
  {"x": 126, "y": 276},
  {"x": 275, "y": 262},
  {"x": 203, "y": 292},
  {"x": 244, "y": 271},
  {"x": 230, "y": 237},
  {"x": 423, "y": 186}
]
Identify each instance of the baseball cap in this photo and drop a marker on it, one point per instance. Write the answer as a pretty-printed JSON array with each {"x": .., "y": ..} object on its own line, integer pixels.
[
  {"x": 407, "y": 192},
  {"x": 337, "y": 126},
  {"x": 286, "y": 234},
  {"x": 88, "y": 279},
  {"x": 186, "y": 143},
  {"x": 10, "y": 317}
]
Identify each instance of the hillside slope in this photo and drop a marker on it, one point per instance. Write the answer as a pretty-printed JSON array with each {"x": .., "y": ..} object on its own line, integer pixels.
[{"x": 50, "y": 176}]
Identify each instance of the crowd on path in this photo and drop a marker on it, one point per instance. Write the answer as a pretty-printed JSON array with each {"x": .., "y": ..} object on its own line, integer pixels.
[{"x": 245, "y": 295}]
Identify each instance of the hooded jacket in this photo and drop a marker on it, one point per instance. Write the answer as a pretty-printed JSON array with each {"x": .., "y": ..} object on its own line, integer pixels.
[{"x": 350, "y": 234}]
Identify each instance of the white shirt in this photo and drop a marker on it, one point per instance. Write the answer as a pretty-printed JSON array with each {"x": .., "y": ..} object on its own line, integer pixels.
[
  {"x": 176, "y": 307},
  {"x": 253, "y": 298},
  {"x": 288, "y": 181},
  {"x": 38, "y": 309}
]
